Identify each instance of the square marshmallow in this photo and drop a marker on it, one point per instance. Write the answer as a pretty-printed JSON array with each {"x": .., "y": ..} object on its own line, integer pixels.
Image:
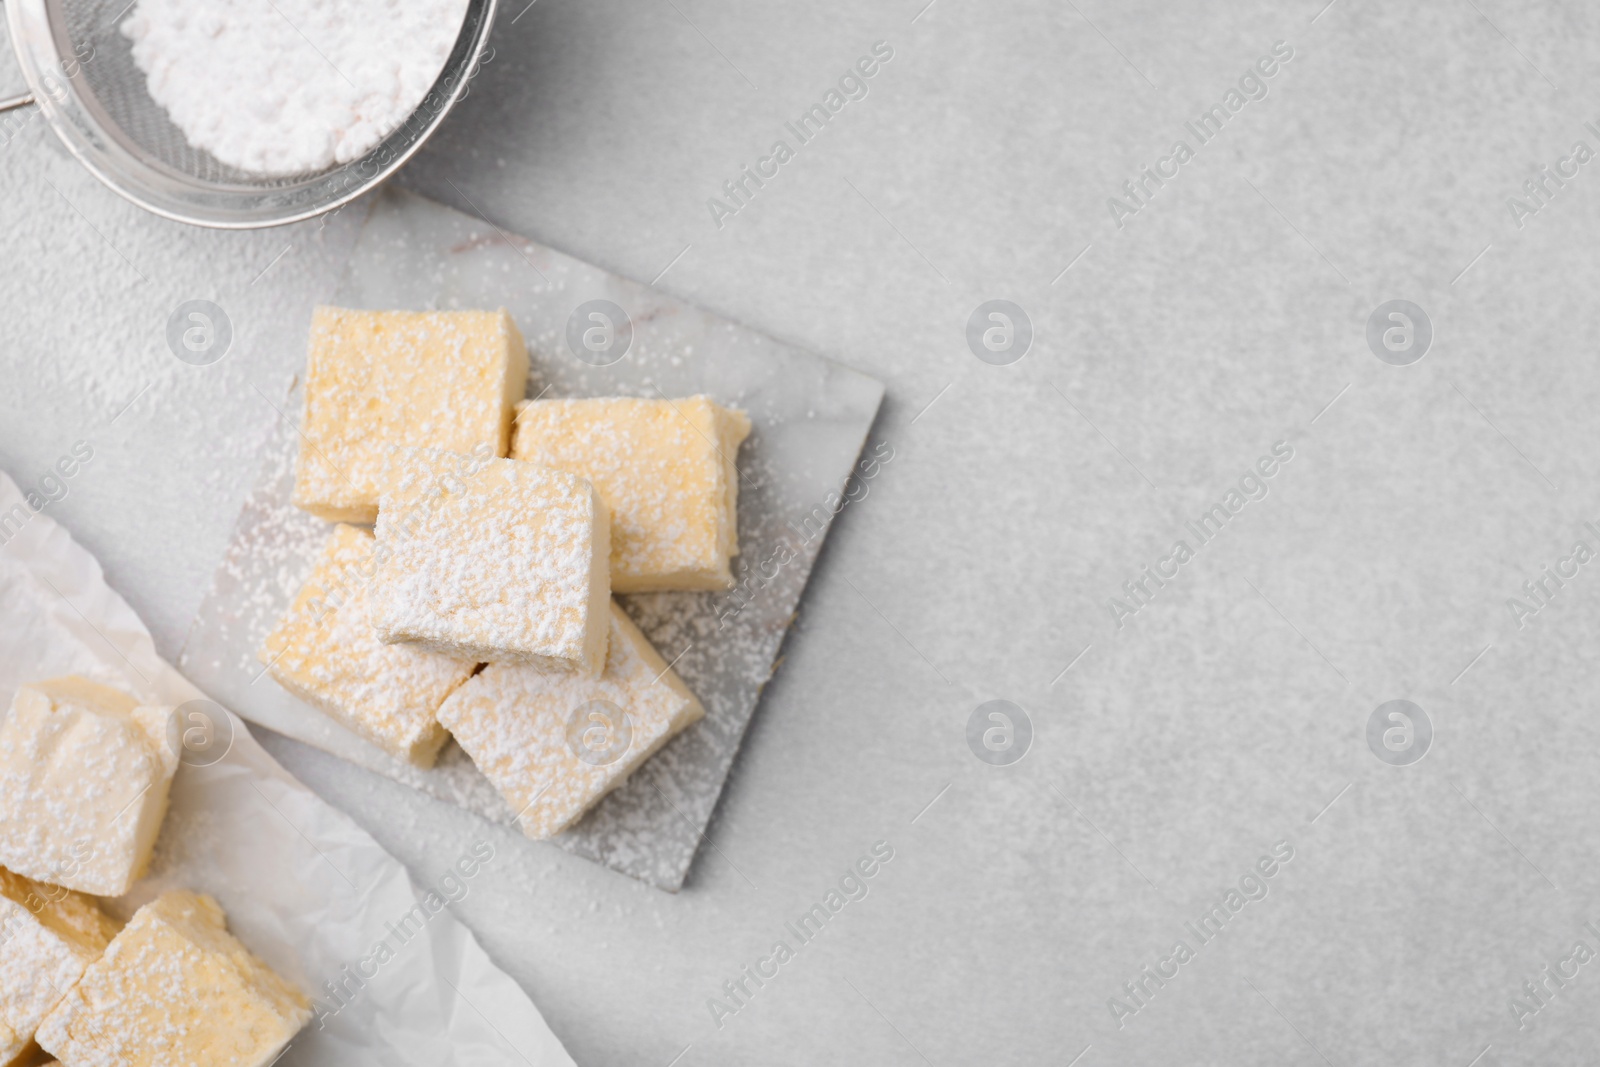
[
  {"x": 48, "y": 938},
  {"x": 492, "y": 560},
  {"x": 380, "y": 379},
  {"x": 84, "y": 773},
  {"x": 325, "y": 652},
  {"x": 666, "y": 470},
  {"x": 555, "y": 744},
  {"x": 175, "y": 989}
]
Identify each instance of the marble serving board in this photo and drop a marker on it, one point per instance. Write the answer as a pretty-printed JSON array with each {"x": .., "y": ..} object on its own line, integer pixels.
[{"x": 810, "y": 420}]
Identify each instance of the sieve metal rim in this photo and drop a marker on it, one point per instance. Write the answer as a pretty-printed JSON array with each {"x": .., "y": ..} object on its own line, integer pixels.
[{"x": 57, "y": 87}]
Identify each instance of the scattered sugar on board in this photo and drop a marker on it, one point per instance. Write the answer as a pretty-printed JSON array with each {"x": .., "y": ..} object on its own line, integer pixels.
[
  {"x": 723, "y": 664},
  {"x": 292, "y": 86}
]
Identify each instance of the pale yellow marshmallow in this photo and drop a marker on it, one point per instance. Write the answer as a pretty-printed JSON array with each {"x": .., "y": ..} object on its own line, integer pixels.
[
  {"x": 175, "y": 989},
  {"x": 48, "y": 937},
  {"x": 492, "y": 560},
  {"x": 554, "y": 744},
  {"x": 379, "y": 379},
  {"x": 665, "y": 468},
  {"x": 325, "y": 652},
  {"x": 84, "y": 773}
]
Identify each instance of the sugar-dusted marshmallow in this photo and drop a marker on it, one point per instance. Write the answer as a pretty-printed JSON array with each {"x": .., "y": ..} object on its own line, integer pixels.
[
  {"x": 665, "y": 468},
  {"x": 325, "y": 652},
  {"x": 492, "y": 560},
  {"x": 379, "y": 379},
  {"x": 554, "y": 744},
  {"x": 175, "y": 989},
  {"x": 48, "y": 938},
  {"x": 84, "y": 773}
]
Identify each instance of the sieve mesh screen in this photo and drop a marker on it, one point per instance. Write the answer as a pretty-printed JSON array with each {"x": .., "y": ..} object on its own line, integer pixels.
[
  {"x": 82, "y": 68},
  {"x": 115, "y": 86}
]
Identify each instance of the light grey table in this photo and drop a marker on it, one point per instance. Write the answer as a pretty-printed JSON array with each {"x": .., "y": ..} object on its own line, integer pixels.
[{"x": 1229, "y": 713}]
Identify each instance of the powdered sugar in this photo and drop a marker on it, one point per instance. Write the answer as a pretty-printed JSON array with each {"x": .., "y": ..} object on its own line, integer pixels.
[{"x": 282, "y": 87}]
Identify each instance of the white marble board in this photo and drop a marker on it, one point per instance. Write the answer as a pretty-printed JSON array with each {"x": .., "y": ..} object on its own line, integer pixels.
[{"x": 811, "y": 418}]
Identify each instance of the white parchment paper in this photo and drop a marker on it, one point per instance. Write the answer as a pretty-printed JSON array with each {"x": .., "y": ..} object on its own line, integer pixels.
[{"x": 397, "y": 980}]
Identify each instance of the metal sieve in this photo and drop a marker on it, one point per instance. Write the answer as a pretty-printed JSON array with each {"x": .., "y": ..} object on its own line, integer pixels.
[{"x": 81, "y": 75}]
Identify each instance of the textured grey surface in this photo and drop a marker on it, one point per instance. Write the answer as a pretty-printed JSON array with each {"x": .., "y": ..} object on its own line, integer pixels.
[{"x": 1224, "y": 317}]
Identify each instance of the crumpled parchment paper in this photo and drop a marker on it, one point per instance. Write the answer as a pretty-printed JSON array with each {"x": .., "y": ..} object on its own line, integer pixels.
[{"x": 394, "y": 977}]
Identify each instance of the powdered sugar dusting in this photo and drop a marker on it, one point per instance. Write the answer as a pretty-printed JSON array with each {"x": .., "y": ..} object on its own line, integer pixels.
[{"x": 280, "y": 87}]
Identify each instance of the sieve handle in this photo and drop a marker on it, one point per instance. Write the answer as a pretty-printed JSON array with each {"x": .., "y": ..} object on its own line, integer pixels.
[{"x": 11, "y": 103}]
